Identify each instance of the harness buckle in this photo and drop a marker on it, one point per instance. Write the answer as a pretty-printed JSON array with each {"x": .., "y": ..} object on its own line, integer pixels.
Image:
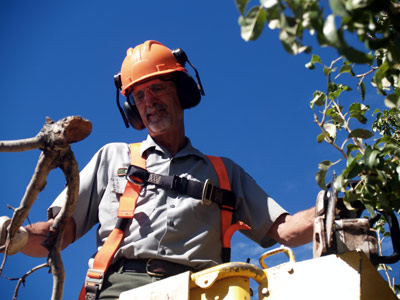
[
  {"x": 208, "y": 190},
  {"x": 137, "y": 175},
  {"x": 94, "y": 281}
]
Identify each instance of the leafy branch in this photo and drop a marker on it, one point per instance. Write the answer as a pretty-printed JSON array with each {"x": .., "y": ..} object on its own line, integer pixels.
[{"x": 371, "y": 150}]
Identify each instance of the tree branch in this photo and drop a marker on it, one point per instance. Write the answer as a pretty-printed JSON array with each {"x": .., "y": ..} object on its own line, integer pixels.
[
  {"x": 22, "y": 279},
  {"x": 53, "y": 139}
]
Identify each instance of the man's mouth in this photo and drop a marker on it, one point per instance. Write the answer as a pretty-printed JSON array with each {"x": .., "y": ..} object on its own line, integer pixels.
[{"x": 154, "y": 115}]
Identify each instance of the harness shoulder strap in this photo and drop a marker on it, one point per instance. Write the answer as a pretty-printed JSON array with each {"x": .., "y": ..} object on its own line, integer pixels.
[
  {"x": 227, "y": 228},
  {"x": 127, "y": 202},
  {"x": 103, "y": 258}
]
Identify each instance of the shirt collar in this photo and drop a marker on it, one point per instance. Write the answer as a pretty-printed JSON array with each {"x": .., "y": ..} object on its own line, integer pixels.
[{"x": 150, "y": 145}]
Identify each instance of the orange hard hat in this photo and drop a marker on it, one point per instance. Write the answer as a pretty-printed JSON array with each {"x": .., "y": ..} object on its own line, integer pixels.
[{"x": 145, "y": 61}]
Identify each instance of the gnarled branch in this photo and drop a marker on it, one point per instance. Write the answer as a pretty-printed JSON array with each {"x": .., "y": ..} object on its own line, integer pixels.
[{"x": 53, "y": 139}]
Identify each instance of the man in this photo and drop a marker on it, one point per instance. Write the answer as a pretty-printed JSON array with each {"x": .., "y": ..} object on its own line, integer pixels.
[{"x": 172, "y": 229}]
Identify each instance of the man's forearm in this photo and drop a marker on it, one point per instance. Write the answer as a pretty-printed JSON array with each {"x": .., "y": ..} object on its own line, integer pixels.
[{"x": 294, "y": 230}]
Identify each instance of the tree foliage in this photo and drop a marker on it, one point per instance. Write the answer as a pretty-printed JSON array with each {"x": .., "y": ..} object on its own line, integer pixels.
[
  {"x": 371, "y": 148},
  {"x": 366, "y": 36}
]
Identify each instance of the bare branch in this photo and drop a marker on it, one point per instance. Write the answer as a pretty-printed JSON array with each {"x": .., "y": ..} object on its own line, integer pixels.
[
  {"x": 367, "y": 73},
  {"x": 53, "y": 134},
  {"x": 54, "y": 139},
  {"x": 22, "y": 279},
  {"x": 327, "y": 137}
]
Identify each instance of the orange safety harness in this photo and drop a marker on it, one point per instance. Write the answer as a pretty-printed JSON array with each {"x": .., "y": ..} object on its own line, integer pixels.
[{"x": 137, "y": 177}]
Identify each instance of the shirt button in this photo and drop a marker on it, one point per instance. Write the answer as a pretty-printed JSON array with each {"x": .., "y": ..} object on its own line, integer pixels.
[
  {"x": 162, "y": 251},
  {"x": 171, "y": 223},
  {"x": 172, "y": 206}
]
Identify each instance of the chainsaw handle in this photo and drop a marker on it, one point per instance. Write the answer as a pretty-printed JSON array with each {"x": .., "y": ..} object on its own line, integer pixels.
[{"x": 395, "y": 236}]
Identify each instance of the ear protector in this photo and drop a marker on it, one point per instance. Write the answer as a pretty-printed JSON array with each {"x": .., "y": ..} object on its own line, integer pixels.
[{"x": 189, "y": 92}]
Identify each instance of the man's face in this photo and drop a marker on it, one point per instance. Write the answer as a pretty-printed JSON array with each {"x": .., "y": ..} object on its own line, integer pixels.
[{"x": 158, "y": 105}]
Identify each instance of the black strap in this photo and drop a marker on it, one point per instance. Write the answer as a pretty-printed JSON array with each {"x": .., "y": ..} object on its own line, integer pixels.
[
  {"x": 192, "y": 188},
  {"x": 92, "y": 292}
]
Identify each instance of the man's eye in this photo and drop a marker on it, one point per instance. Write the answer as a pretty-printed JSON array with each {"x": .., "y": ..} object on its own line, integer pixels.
[{"x": 139, "y": 96}]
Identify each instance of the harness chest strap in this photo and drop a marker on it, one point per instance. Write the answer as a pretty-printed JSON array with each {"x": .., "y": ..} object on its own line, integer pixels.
[{"x": 103, "y": 258}]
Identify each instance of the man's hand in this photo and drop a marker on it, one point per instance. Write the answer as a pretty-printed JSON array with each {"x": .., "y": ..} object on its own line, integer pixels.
[{"x": 19, "y": 240}]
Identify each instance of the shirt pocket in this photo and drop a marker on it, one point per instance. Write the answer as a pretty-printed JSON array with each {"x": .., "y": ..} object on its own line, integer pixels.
[
  {"x": 108, "y": 207},
  {"x": 116, "y": 187}
]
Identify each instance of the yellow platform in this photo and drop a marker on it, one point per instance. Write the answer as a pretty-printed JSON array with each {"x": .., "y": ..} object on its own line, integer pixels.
[{"x": 348, "y": 276}]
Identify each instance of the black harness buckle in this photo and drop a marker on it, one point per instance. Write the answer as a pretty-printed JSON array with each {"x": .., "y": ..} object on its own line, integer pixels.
[{"x": 137, "y": 175}]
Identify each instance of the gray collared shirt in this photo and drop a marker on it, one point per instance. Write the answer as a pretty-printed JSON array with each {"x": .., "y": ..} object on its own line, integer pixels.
[{"x": 166, "y": 224}]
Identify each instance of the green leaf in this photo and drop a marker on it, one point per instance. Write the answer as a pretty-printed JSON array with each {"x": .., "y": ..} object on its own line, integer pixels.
[
  {"x": 354, "y": 55},
  {"x": 327, "y": 71},
  {"x": 351, "y": 148},
  {"x": 357, "y": 111},
  {"x": 330, "y": 32},
  {"x": 370, "y": 157},
  {"x": 346, "y": 69},
  {"x": 380, "y": 74},
  {"x": 349, "y": 197},
  {"x": 393, "y": 100},
  {"x": 269, "y": 3},
  {"x": 311, "y": 64},
  {"x": 320, "y": 175},
  {"x": 331, "y": 129},
  {"x": 318, "y": 100},
  {"x": 352, "y": 166},
  {"x": 321, "y": 137},
  {"x": 392, "y": 149},
  {"x": 253, "y": 24},
  {"x": 241, "y": 5},
  {"x": 316, "y": 59},
  {"x": 398, "y": 172},
  {"x": 338, "y": 8},
  {"x": 361, "y": 133},
  {"x": 362, "y": 90},
  {"x": 335, "y": 116}
]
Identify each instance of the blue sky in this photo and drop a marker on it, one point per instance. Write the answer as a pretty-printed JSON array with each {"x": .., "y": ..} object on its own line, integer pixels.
[{"x": 58, "y": 59}]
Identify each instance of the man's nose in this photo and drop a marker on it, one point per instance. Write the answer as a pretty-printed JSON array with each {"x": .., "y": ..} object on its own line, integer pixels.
[{"x": 148, "y": 97}]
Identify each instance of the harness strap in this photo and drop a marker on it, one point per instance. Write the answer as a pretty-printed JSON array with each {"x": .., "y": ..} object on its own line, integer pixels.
[
  {"x": 95, "y": 276},
  {"x": 227, "y": 228},
  {"x": 205, "y": 191}
]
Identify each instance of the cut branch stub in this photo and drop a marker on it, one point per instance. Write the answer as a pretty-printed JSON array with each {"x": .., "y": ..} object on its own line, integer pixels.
[
  {"x": 53, "y": 134},
  {"x": 65, "y": 131}
]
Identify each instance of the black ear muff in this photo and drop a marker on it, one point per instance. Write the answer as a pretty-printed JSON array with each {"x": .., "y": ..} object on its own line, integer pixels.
[
  {"x": 129, "y": 113},
  {"x": 188, "y": 92},
  {"x": 132, "y": 114}
]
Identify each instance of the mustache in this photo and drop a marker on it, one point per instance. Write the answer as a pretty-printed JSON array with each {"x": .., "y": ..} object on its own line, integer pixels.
[{"x": 156, "y": 107}]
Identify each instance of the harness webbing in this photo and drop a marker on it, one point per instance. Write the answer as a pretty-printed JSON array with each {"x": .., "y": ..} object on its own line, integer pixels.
[
  {"x": 227, "y": 228},
  {"x": 103, "y": 258}
]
